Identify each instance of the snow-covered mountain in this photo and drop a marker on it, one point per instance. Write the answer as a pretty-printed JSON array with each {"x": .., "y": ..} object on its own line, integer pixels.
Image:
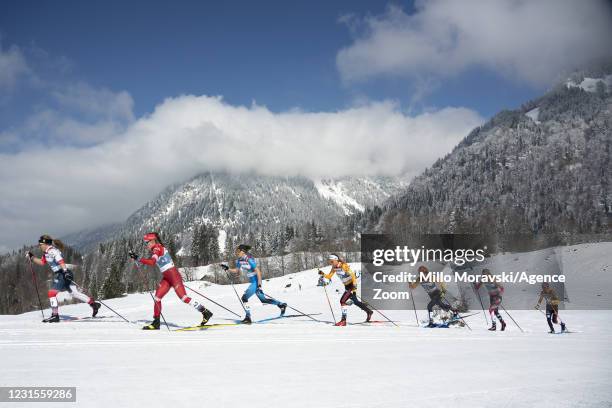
[
  {"x": 238, "y": 204},
  {"x": 545, "y": 167}
]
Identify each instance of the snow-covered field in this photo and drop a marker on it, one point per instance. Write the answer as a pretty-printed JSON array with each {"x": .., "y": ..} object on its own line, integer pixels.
[{"x": 297, "y": 362}]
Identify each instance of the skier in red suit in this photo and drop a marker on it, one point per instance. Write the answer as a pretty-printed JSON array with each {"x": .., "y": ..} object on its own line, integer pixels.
[{"x": 171, "y": 278}]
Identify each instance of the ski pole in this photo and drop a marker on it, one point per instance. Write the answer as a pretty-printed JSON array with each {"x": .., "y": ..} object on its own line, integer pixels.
[
  {"x": 160, "y": 313},
  {"x": 236, "y": 292},
  {"x": 293, "y": 308},
  {"x": 104, "y": 304},
  {"x": 141, "y": 273},
  {"x": 329, "y": 303},
  {"x": 510, "y": 316},
  {"x": 36, "y": 286},
  {"x": 413, "y": 306},
  {"x": 379, "y": 312},
  {"x": 541, "y": 311},
  {"x": 460, "y": 318},
  {"x": 327, "y": 296},
  {"x": 112, "y": 310},
  {"x": 331, "y": 309},
  {"x": 481, "y": 304},
  {"x": 212, "y": 301}
]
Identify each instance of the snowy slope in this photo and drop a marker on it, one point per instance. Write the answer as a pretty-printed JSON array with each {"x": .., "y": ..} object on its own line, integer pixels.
[
  {"x": 297, "y": 362},
  {"x": 534, "y": 114},
  {"x": 236, "y": 203},
  {"x": 590, "y": 84},
  {"x": 336, "y": 193}
]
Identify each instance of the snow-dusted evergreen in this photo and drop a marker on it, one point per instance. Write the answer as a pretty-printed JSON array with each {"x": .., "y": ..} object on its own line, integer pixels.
[{"x": 543, "y": 168}]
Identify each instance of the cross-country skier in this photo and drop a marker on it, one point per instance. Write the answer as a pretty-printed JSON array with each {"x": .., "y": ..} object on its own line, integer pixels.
[
  {"x": 63, "y": 279},
  {"x": 552, "y": 307},
  {"x": 436, "y": 292},
  {"x": 171, "y": 278},
  {"x": 348, "y": 278},
  {"x": 495, "y": 291},
  {"x": 246, "y": 263}
]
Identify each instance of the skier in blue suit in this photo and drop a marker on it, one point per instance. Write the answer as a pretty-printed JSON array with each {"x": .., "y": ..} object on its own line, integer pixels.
[{"x": 246, "y": 263}]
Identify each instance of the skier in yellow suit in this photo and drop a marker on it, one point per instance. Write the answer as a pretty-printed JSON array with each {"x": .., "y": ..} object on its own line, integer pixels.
[
  {"x": 348, "y": 278},
  {"x": 552, "y": 307}
]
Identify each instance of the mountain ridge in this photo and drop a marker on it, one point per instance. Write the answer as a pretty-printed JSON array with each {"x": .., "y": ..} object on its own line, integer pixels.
[{"x": 244, "y": 203}]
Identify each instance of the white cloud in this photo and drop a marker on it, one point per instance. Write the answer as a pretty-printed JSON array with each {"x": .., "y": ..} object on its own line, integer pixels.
[
  {"x": 531, "y": 41},
  {"x": 57, "y": 189},
  {"x": 12, "y": 66}
]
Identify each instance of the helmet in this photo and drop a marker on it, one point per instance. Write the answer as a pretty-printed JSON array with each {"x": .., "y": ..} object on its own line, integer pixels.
[
  {"x": 151, "y": 236},
  {"x": 243, "y": 247},
  {"x": 45, "y": 239}
]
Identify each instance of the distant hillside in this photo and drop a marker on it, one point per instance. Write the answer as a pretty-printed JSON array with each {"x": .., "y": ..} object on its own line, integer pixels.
[
  {"x": 543, "y": 168},
  {"x": 242, "y": 205}
]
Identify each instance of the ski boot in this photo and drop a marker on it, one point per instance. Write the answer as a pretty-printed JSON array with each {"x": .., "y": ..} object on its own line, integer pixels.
[
  {"x": 53, "y": 319},
  {"x": 431, "y": 323},
  {"x": 369, "y": 315},
  {"x": 282, "y": 307},
  {"x": 246, "y": 320},
  {"x": 95, "y": 306},
  {"x": 342, "y": 322},
  {"x": 154, "y": 325},
  {"x": 503, "y": 325},
  {"x": 206, "y": 315},
  {"x": 563, "y": 328},
  {"x": 493, "y": 327},
  {"x": 552, "y": 331}
]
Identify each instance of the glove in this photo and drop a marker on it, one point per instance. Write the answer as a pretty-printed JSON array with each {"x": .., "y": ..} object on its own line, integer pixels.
[
  {"x": 321, "y": 272},
  {"x": 133, "y": 255},
  {"x": 537, "y": 307},
  {"x": 29, "y": 255},
  {"x": 224, "y": 266},
  {"x": 68, "y": 276}
]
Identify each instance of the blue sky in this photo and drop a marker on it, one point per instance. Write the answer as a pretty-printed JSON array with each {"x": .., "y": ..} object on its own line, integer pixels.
[
  {"x": 280, "y": 54},
  {"x": 104, "y": 104}
]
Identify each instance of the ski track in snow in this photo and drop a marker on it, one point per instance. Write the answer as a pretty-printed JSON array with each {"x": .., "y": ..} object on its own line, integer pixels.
[{"x": 301, "y": 363}]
